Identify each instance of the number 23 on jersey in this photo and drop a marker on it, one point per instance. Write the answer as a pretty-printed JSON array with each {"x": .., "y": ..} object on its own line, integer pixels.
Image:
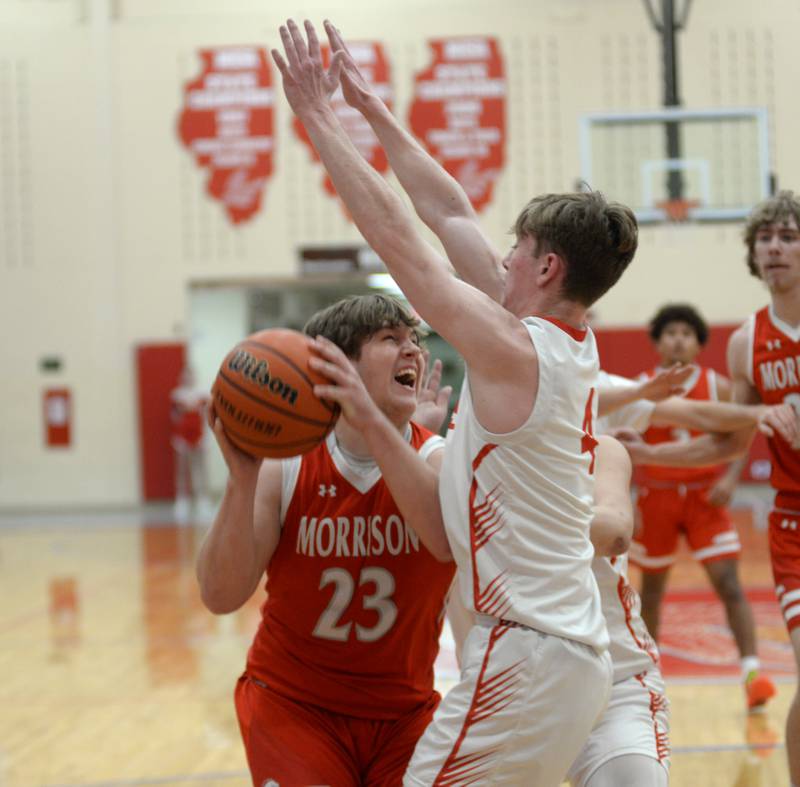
[{"x": 330, "y": 625}]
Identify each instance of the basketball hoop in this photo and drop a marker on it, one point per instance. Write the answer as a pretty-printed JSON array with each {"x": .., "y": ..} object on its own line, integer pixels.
[{"x": 677, "y": 210}]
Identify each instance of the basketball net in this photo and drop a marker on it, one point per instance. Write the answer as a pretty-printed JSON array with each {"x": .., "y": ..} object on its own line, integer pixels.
[{"x": 677, "y": 210}]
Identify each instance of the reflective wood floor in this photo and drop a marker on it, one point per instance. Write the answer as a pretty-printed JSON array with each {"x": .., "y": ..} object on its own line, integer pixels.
[{"x": 114, "y": 673}]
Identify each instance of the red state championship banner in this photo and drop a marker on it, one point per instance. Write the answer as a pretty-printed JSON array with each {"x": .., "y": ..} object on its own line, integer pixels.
[
  {"x": 459, "y": 112},
  {"x": 373, "y": 65},
  {"x": 227, "y": 123}
]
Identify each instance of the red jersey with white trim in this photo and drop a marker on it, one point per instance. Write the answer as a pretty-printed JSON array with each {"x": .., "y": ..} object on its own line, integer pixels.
[
  {"x": 774, "y": 371},
  {"x": 701, "y": 386},
  {"x": 188, "y": 414},
  {"x": 355, "y": 601}
]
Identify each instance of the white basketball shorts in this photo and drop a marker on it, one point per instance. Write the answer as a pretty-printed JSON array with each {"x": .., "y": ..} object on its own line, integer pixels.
[
  {"x": 524, "y": 706},
  {"x": 636, "y": 721}
]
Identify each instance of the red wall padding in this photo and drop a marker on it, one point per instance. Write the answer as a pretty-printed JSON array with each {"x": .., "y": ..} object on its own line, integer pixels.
[{"x": 158, "y": 368}]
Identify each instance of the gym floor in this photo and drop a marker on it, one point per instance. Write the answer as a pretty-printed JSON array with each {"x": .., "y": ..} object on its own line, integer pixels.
[{"x": 115, "y": 674}]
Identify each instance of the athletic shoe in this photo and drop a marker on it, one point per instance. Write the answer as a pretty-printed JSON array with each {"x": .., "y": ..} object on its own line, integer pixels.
[{"x": 759, "y": 689}]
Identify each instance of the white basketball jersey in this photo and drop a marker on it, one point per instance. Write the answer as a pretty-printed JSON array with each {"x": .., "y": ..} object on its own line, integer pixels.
[
  {"x": 517, "y": 506},
  {"x": 632, "y": 649}
]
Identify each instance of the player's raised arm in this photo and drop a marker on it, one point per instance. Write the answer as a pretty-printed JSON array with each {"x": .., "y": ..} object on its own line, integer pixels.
[
  {"x": 438, "y": 198},
  {"x": 492, "y": 340}
]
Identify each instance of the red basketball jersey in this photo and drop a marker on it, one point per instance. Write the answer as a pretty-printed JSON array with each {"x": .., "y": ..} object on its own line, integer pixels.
[
  {"x": 774, "y": 369},
  {"x": 188, "y": 414},
  {"x": 702, "y": 386},
  {"x": 355, "y": 602}
]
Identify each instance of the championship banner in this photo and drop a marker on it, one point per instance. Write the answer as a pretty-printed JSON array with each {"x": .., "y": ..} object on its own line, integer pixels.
[
  {"x": 227, "y": 123},
  {"x": 374, "y": 67},
  {"x": 459, "y": 112}
]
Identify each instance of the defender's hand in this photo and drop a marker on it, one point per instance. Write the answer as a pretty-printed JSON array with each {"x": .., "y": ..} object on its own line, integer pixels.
[
  {"x": 666, "y": 383},
  {"x": 433, "y": 401},
  {"x": 308, "y": 86},
  {"x": 357, "y": 92}
]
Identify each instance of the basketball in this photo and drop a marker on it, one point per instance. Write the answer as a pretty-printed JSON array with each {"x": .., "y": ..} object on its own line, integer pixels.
[{"x": 264, "y": 396}]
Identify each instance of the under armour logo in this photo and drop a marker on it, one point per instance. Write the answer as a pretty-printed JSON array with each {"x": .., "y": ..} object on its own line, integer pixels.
[
  {"x": 774, "y": 345},
  {"x": 271, "y": 783},
  {"x": 788, "y": 524},
  {"x": 330, "y": 491}
]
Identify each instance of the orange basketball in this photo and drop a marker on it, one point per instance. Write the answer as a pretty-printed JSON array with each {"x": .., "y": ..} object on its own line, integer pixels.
[{"x": 264, "y": 396}]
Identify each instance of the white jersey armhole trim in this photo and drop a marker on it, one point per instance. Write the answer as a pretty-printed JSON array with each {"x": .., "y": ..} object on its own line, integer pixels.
[
  {"x": 290, "y": 471},
  {"x": 431, "y": 445},
  {"x": 713, "y": 393},
  {"x": 751, "y": 331}
]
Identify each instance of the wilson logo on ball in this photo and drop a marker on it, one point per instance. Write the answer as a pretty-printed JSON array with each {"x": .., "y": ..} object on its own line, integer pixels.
[
  {"x": 257, "y": 371},
  {"x": 264, "y": 395}
]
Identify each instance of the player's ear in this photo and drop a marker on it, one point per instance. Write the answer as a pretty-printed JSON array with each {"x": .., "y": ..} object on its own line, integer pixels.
[{"x": 550, "y": 267}]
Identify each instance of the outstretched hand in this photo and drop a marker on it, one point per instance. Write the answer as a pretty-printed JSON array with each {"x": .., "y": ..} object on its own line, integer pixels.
[
  {"x": 781, "y": 419},
  {"x": 356, "y": 90},
  {"x": 308, "y": 86},
  {"x": 668, "y": 382},
  {"x": 433, "y": 400}
]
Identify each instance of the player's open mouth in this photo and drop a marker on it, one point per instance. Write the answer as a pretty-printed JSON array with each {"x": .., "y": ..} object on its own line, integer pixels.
[{"x": 407, "y": 378}]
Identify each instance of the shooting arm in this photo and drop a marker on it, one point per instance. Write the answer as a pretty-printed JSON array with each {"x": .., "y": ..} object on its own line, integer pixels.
[
  {"x": 413, "y": 483},
  {"x": 240, "y": 543}
]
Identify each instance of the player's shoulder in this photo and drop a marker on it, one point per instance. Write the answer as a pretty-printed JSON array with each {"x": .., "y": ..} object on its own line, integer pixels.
[
  {"x": 425, "y": 441},
  {"x": 739, "y": 340}
]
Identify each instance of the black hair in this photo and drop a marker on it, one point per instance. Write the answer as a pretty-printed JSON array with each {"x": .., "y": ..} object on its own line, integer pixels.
[{"x": 679, "y": 312}]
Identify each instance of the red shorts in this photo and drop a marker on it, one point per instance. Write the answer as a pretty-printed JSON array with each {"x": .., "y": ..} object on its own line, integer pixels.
[
  {"x": 666, "y": 513},
  {"x": 784, "y": 549},
  {"x": 293, "y": 744}
]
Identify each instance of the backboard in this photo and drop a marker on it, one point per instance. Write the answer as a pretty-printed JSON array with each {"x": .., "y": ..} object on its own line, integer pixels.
[{"x": 715, "y": 162}]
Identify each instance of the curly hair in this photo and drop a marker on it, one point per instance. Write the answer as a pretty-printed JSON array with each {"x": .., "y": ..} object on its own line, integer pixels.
[
  {"x": 778, "y": 209},
  {"x": 679, "y": 312}
]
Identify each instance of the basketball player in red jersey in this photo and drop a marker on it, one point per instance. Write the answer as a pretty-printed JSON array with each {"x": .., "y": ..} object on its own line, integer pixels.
[
  {"x": 339, "y": 680},
  {"x": 187, "y": 415},
  {"x": 692, "y": 501},
  {"x": 764, "y": 365}
]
